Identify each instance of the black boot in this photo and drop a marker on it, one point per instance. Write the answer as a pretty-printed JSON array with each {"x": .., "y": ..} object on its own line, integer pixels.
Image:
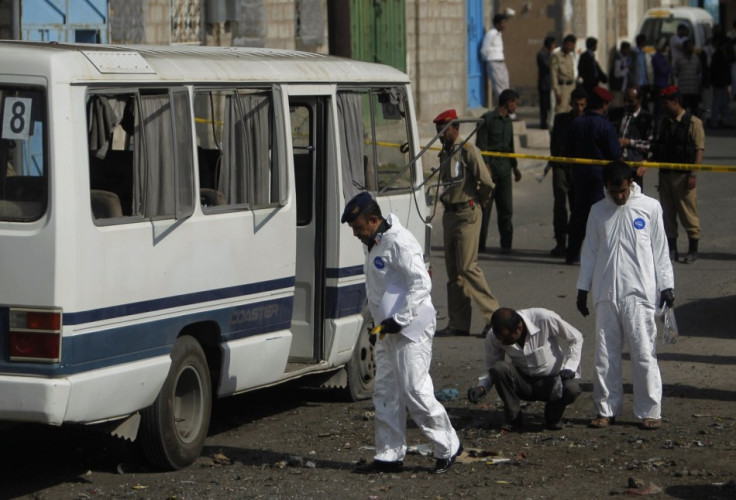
[
  {"x": 692, "y": 251},
  {"x": 672, "y": 243},
  {"x": 506, "y": 243},
  {"x": 560, "y": 249}
]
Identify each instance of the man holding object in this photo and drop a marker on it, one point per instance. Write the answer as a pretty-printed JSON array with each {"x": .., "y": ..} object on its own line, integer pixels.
[{"x": 398, "y": 289}]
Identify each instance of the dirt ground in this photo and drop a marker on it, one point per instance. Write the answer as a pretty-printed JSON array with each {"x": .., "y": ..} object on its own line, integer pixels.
[
  {"x": 290, "y": 442},
  {"x": 299, "y": 443}
]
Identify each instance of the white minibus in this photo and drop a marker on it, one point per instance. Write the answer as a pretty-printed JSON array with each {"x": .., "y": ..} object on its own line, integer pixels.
[{"x": 170, "y": 229}]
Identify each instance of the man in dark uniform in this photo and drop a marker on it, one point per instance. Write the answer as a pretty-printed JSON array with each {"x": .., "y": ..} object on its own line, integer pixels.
[
  {"x": 496, "y": 133},
  {"x": 471, "y": 187},
  {"x": 588, "y": 68},
  {"x": 562, "y": 172},
  {"x": 590, "y": 136},
  {"x": 544, "y": 79},
  {"x": 680, "y": 138},
  {"x": 635, "y": 127}
]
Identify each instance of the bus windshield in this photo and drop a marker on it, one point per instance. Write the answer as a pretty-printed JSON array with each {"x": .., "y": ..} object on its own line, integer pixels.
[{"x": 23, "y": 170}]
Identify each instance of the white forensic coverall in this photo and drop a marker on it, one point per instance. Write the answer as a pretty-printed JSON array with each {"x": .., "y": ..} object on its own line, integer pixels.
[
  {"x": 625, "y": 264},
  {"x": 398, "y": 285}
]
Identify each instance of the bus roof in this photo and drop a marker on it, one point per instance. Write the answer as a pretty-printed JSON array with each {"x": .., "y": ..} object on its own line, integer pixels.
[
  {"x": 691, "y": 13},
  {"x": 78, "y": 63}
]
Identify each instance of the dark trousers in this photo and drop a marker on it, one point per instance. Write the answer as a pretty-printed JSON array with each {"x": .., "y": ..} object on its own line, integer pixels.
[
  {"x": 514, "y": 386},
  {"x": 587, "y": 189},
  {"x": 562, "y": 192},
  {"x": 545, "y": 104},
  {"x": 502, "y": 195},
  {"x": 691, "y": 102}
]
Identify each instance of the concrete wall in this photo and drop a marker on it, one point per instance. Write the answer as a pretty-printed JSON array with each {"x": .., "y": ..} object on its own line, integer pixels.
[
  {"x": 436, "y": 60},
  {"x": 5, "y": 19}
]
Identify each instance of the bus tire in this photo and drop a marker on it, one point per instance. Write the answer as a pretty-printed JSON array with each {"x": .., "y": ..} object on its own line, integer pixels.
[
  {"x": 361, "y": 369},
  {"x": 174, "y": 428}
]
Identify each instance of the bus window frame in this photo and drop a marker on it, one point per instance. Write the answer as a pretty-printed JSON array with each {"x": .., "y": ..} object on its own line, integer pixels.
[
  {"x": 136, "y": 91},
  {"x": 279, "y": 146},
  {"x": 372, "y": 91},
  {"x": 41, "y": 87}
]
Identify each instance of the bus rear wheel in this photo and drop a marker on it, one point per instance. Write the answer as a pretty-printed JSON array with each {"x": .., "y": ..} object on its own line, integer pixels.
[{"x": 174, "y": 428}]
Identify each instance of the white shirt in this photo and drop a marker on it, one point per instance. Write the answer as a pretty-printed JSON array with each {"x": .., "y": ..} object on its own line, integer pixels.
[
  {"x": 397, "y": 282},
  {"x": 492, "y": 47},
  {"x": 542, "y": 354},
  {"x": 625, "y": 250}
]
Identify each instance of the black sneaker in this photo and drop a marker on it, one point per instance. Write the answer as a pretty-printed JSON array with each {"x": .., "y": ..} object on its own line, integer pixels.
[
  {"x": 554, "y": 426},
  {"x": 451, "y": 332},
  {"x": 379, "y": 466},
  {"x": 442, "y": 465},
  {"x": 514, "y": 425},
  {"x": 558, "y": 251}
]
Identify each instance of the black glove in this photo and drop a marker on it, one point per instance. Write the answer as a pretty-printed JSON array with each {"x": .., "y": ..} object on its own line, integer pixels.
[
  {"x": 666, "y": 297},
  {"x": 582, "y": 302},
  {"x": 390, "y": 326},
  {"x": 567, "y": 374},
  {"x": 475, "y": 393}
]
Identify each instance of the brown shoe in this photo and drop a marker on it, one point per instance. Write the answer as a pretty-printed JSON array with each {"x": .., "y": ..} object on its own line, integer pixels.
[
  {"x": 651, "y": 424},
  {"x": 600, "y": 422}
]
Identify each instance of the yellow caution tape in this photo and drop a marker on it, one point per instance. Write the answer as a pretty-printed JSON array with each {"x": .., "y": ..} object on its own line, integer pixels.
[{"x": 588, "y": 161}]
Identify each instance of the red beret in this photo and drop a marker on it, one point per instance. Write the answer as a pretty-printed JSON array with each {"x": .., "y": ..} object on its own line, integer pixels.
[
  {"x": 669, "y": 91},
  {"x": 603, "y": 94},
  {"x": 445, "y": 117}
]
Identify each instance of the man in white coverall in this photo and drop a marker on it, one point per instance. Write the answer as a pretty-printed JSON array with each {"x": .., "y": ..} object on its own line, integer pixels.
[
  {"x": 398, "y": 289},
  {"x": 540, "y": 367},
  {"x": 625, "y": 263}
]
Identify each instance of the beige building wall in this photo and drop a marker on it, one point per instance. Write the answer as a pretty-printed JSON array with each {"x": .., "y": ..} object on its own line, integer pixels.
[
  {"x": 157, "y": 14},
  {"x": 280, "y": 19},
  {"x": 436, "y": 55}
]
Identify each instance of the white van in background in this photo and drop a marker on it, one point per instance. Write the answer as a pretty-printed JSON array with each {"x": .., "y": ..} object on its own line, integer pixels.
[{"x": 663, "y": 21}]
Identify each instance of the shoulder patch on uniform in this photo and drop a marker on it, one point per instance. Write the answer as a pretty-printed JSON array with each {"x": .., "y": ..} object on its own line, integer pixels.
[
  {"x": 378, "y": 262},
  {"x": 639, "y": 223}
]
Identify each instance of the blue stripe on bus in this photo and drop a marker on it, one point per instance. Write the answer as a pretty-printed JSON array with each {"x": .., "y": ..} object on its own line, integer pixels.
[
  {"x": 344, "y": 272},
  {"x": 148, "y": 306},
  {"x": 345, "y": 301},
  {"x": 114, "y": 346}
]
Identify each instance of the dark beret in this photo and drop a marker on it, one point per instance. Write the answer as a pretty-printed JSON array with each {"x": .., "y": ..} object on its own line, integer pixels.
[{"x": 355, "y": 206}]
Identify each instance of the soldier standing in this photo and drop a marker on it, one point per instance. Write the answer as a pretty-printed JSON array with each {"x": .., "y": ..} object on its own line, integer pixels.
[
  {"x": 562, "y": 66},
  {"x": 471, "y": 188}
]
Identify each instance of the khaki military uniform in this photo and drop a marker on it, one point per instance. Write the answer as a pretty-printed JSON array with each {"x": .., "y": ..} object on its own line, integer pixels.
[
  {"x": 562, "y": 70},
  {"x": 461, "y": 223}
]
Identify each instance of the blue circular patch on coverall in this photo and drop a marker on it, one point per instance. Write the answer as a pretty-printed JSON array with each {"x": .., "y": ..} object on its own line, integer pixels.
[
  {"x": 639, "y": 223},
  {"x": 378, "y": 262}
]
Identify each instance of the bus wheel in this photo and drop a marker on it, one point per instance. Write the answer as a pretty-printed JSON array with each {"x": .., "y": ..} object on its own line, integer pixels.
[
  {"x": 361, "y": 368},
  {"x": 174, "y": 428}
]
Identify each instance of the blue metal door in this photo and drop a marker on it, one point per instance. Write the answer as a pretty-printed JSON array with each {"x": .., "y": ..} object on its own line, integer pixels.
[
  {"x": 476, "y": 78},
  {"x": 65, "y": 21}
]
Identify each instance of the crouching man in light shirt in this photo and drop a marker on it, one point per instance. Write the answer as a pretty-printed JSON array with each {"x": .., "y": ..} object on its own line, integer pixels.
[{"x": 539, "y": 366}]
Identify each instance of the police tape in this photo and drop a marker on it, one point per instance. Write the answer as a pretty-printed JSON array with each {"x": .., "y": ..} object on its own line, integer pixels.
[{"x": 587, "y": 161}]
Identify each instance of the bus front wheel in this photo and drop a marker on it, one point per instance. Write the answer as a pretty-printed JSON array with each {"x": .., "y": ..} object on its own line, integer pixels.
[
  {"x": 174, "y": 428},
  {"x": 361, "y": 369}
]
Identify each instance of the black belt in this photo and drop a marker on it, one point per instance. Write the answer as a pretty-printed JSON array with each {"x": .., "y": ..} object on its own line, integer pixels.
[
  {"x": 568, "y": 82},
  {"x": 456, "y": 207}
]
